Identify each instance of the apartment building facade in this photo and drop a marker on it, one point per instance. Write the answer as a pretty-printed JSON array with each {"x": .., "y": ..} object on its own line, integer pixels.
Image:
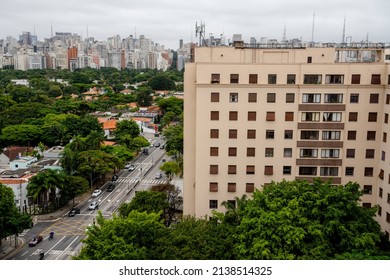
[{"x": 256, "y": 115}]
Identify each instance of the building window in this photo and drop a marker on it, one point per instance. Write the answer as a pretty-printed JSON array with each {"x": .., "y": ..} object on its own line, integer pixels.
[
  {"x": 214, "y": 133},
  {"x": 386, "y": 118},
  {"x": 330, "y": 153},
  {"x": 349, "y": 171},
  {"x": 379, "y": 211},
  {"x": 215, "y": 78},
  {"x": 271, "y": 97},
  {"x": 214, "y": 115},
  {"x": 233, "y": 97},
  {"x": 290, "y": 79},
  {"x": 354, "y": 98},
  {"x": 333, "y": 98},
  {"x": 351, "y": 135},
  {"x": 383, "y": 156},
  {"x": 232, "y": 151},
  {"x": 270, "y": 116},
  {"x": 374, "y": 98},
  {"x": 380, "y": 192},
  {"x": 368, "y": 171},
  {"x": 250, "y": 169},
  {"x": 269, "y": 134},
  {"x": 213, "y": 169},
  {"x": 269, "y": 152},
  {"x": 330, "y": 135},
  {"x": 371, "y": 135},
  {"x": 310, "y": 134},
  {"x": 311, "y": 98},
  {"x": 312, "y": 79},
  {"x": 331, "y": 117},
  {"x": 213, "y": 187},
  {"x": 252, "y": 97},
  {"x": 367, "y": 189},
  {"x": 289, "y": 116},
  {"x": 381, "y": 174},
  {"x": 287, "y": 152},
  {"x": 311, "y": 116},
  {"x": 234, "y": 78},
  {"x": 213, "y": 204},
  {"x": 307, "y": 171},
  {"x": 251, "y": 134},
  {"x": 372, "y": 116},
  {"x": 250, "y": 152},
  {"x": 268, "y": 170},
  {"x": 253, "y": 78},
  {"x": 388, "y": 217},
  {"x": 231, "y": 187},
  {"x": 249, "y": 187},
  {"x": 251, "y": 116},
  {"x": 355, "y": 80},
  {"x": 215, "y": 97},
  {"x": 353, "y": 116},
  {"x": 271, "y": 78},
  {"x": 290, "y": 97},
  {"x": 308, "y": 153},
  {"x": 286, "y": 170},
  {"x": 334, "y": 79},
  {"x": 370, "y": 153},
  {"x": 232, "y": 169},
  {"x": 288, "y": 134},
  {"x": 384, "y": 138},
  {"x": 375, "y": 79},
  {"x": 388, "y": 198},
  {"x": 214, "y": 151},
  {"x": 232, "y": 133},
  {"x": 366, "y": 205},
  {"x": 329, "y": 171},
  {"x": 233, "y": 115},
  {"x": 350, "y": 153}
]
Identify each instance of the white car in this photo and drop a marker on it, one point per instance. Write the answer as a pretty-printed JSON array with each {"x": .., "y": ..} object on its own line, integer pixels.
[
  {"x": 158, "y": 175},
  {"x": 94, "y": 205},
  {"x": 96, "y": 193}
]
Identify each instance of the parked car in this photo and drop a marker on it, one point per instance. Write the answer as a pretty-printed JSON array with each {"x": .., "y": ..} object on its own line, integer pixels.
[
  {"x": 94, "y": 205},
  {"x": 110, "y": 187},
  {"x": 131, "y": 167},
  {"x": 74, "y": 212},
  {"x": 35, "y": 241},
  {"x": 162, "y": 147},
  {"x": 145, "y": 151},
  {"x": 157, "y": 145},
  {"x": 114, "y": 177},
  {"x": 96, "y": 193},
  {"x": 158, "y": 175}
]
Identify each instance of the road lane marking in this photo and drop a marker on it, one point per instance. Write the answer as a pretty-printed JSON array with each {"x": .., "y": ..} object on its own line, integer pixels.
[
  {"x": 67, "y": 247},
  {"x": 55, "y": 244}
]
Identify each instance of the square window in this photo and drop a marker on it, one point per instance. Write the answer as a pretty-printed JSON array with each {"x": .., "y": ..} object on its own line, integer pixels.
[
  {"x": 351, "y": 134},
  {"x": 215, "y": 97},
  {"x": 249, "y": 187},
  {"x": 214, "y": 151},
  {"x": 251, "y": 116},
  {"x": 366, "y": 205},
  {"x": 370, "y": 153},
  {"x": 271, "y": 78},
  {"x": 355, "y": 80},
  {"x": 251, "y": 134},
  {"x": 250, "y": 152},
  {"x": 353, "y": 116},
  {"x": 215, "y": 78},
  {"x": 290, "y": 79},
  {"x": 270, "y": 116},
  {"x": 250, "y": 169},
  {"x": 234, "y": 78},
  {"x": 368, "y": 171},
  {"x": 271, "y": 97},
  {"x": 252, "y": 97},
  {"x": 213, "y": 204},
  {"x": 269, "y": 134},
  {"x": 288, "y": 134},
  {"x": 290, "y": 97},
  {"x": 371, "y": 135},
  {"x": 349, "y": 171},
  {"x": 214, "y": 133},
  {"x": 375, "y": 79},
  {"x": 214, "y": 115},
  {"x": 231, "y": 187},
  {"x": 286, "y": 170},
  {"x": 233, "y": 115},
  {"x": 213, "y": 169},
  {"x": 268, "y": 170},
  {"x": 350, "y": 153},
  {"x": 232, "y": 133},
  {"x": 232, "y": 151},
  {"x": 253, "y": 78},
  {"x": 374, "y": 98},
  {"x": 289, "y": 116},
  {"x": 232, "y": 169},
  {"x": 269, "y": 152},
  {"x": 287, "y": 152},
  {"x": 354, "y": 98},
  {"x": 213, "y": 187},
  {"x": 367, "y": 189},
  {"x": 233, "y": 97}
]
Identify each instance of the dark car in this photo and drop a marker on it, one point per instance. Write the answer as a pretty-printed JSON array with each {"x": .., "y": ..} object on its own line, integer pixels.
[
  {"x": 162, "y": 147},
  {"x": 114, "y": 177},
  {"x": 74, "y": 212},
  {"x": 35, "y": 240},
  {"x": 111, "y": 187}
]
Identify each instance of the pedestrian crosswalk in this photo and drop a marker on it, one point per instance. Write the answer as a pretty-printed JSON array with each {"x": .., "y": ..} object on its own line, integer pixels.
[{"x": 144, "y": 181}]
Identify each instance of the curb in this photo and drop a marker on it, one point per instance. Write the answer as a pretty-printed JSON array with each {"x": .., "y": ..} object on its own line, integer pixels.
[{"x": 10, "y": 252}]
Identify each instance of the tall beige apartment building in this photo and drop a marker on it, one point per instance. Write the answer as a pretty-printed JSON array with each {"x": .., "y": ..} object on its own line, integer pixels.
[{"x": 256, "y": 115}]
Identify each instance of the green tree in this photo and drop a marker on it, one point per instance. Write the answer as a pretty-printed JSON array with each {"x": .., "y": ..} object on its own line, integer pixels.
[
  {"x": 11, "y": 220},
  {"x": 22, "y": 134},
  {"x": 174, "y": 136},
  {"x": 170, "y": 168},
  {"x": 144, "y": 96},
  {"x": 161, "y": 82},
  {"x": 126, "y": 127},
  {"x": 145, "y": 201},
  {"x": 74, "y": 186}
]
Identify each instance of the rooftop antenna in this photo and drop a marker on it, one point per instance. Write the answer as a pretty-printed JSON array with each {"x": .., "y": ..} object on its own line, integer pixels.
[
  {"x": 312, "y": 29},
  {"x": 343, "y": 38},
  {"x": 200, "y": 29}
]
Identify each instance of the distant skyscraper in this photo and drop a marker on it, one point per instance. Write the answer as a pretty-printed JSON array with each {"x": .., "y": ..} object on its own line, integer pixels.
[
  {"x": 181, "y": 43},
  {"x": 237, "y": 37}
]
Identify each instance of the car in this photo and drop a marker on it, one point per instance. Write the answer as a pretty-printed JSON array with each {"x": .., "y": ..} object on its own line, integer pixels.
[
  {"x": 145, "y": 151},
  {"x": 74, "y": 212},
  {"x": 110, "y": 187},
  {"x": 35, "y": 241},
  {"x": 158, "y": 175},
  {"x": 151, "y": 145},
  {"x": 131, "y": 167},
  {"x": 127, "y": 166},
  {"x": 96, "y": 193},
  {"x": 114, "y": 177},
  {"x": 162, "y": 147},
  {"x": 157, "y": 145},
  {"x": 94, "y": 205}
]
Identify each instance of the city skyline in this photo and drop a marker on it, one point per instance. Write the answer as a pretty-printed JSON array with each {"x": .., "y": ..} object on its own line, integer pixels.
[{"x": 168, "y": 22}]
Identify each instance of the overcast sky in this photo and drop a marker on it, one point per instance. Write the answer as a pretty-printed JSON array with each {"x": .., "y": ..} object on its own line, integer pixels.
[{"x": 168, "y": 21}]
